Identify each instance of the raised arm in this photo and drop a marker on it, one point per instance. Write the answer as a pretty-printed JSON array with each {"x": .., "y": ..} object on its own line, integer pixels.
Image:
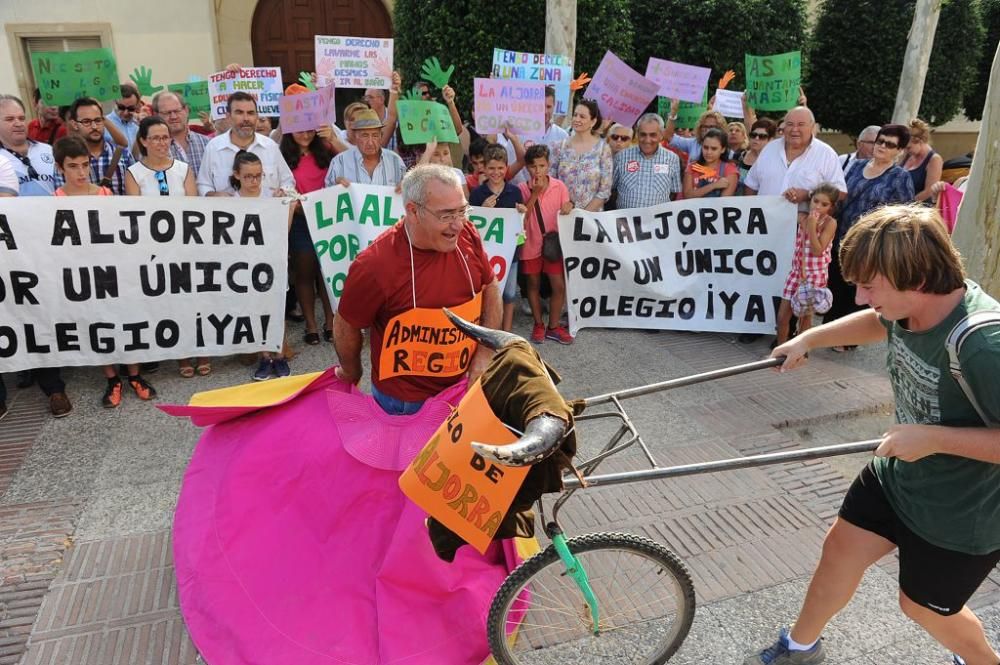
[
  {"x": 389, "y": 128},
  {"x": 668, "y": 131}
]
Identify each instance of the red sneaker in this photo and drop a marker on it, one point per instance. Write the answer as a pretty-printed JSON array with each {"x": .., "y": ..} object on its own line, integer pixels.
[
  {"x": 559, "y": 334},
  {"x": 538, "y": 333}
]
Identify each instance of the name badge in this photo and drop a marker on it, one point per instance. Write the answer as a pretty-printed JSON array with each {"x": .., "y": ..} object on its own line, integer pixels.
[
  {"x": 661, "y": 168},
  {"x": 632, "y": 166}
]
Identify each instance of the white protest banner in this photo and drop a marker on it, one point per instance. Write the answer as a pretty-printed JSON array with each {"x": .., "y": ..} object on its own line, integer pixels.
[
  {"x": 554, "y": 70},
  {"x": 101, "y": 280},
  {"x": 729, "y": 103},
  {"x": 714, "y": 264},
  {"x": 345, "y": 220},
  {"x": 353, "y": 62},
  {"x": 261, "y": 83}
]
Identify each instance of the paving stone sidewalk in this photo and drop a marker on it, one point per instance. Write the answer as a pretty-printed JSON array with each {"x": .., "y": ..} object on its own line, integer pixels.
[{"x": 86, "y": 574}]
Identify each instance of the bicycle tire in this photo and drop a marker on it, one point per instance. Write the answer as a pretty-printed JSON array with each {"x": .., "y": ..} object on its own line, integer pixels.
[{"x": 524, "y": 642}]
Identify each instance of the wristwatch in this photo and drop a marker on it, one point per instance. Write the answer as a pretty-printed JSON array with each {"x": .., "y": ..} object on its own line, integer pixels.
[{"x": 672, "y": 117}]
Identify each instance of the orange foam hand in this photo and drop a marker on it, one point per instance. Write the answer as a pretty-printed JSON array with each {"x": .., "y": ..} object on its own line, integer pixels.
[
  {"x": 579, "y": 82},
  {"x": 726, "y": 79},
  {"x": 703, "y": 171}
]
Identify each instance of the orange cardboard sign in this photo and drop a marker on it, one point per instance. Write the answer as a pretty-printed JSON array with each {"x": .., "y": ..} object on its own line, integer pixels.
[
  {"x": 466, "y": 492},
  {"x": 423, "y": 342}
]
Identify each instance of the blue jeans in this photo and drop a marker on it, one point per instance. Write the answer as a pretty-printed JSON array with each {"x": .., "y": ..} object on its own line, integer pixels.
[{"x": 393, "y": 406}]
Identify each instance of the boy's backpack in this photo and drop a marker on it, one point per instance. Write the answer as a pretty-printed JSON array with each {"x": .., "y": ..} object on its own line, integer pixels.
[{"x": 956, "y": 337}]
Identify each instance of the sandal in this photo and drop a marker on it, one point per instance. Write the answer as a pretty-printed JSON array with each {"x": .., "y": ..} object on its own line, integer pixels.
[
  {"x": 312, "y": 338},
  {"x": 186, "y": 371},
  {"x": 204, "y": 369},
  {"x": 328, "y": 335}
]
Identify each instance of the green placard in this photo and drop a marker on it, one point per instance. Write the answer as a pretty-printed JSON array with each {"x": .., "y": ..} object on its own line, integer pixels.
[
  {"x": 63, "y": 78},
  {"x": 195, "y": 94},
  {"x": 687, "y": 113},
  {"x": 773, "y": 81},
  {"x": 421, "y": 121}
]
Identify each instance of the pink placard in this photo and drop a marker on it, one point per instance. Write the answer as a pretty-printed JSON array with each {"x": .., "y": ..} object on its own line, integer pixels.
[
  {"x": 520, "y": 104},
  {"x": 621, "y": 92},
  {"x": 305, "y": 111},
  {"x": 677, "y": 80}
]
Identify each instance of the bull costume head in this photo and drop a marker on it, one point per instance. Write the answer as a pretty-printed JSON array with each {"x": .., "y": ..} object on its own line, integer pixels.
[{"x": 521, "y": 391}]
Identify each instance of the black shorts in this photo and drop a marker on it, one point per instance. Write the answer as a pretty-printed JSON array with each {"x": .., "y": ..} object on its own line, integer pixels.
[{"x": 939, "y": 579}]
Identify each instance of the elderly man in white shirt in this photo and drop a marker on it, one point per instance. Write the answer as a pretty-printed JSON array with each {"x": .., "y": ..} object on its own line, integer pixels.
[
  {"x": 217, "y": 162},
  {"x": 795, "y": 164}
]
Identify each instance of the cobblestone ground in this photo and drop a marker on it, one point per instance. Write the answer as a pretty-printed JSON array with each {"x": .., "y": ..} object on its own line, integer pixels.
[{"x": 86, "y": 576}]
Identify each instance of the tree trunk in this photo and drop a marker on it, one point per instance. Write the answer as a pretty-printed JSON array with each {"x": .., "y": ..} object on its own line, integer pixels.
[
  {"x": 977, "y": 231},
  {"x": 560, "y": 28},
  {"x": 918, "y": 54}
]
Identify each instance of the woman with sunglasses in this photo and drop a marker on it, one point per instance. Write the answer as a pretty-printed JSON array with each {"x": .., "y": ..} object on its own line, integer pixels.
[
  {"x": 761, "y": 133},
  {"x": 871, "y": 183},
  {"x": 157, "y": 173}
]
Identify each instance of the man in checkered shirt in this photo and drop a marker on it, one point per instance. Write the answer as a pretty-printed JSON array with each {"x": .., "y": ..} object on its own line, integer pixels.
[{"x": 647, "y": 174}]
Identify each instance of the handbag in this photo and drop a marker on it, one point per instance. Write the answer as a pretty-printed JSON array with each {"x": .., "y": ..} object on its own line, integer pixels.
[{"x": 551, "y": 249}]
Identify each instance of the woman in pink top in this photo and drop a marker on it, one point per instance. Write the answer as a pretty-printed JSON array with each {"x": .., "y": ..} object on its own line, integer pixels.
[{"x": 546, "y": 197}]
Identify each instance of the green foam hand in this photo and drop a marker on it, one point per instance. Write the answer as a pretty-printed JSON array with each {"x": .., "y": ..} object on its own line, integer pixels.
[
  {"x": 432, "y": 72},
  {"x": 143, "y": 79},
  {"x": 412, "y": 95},
  {"x": 306, "y": 79}
]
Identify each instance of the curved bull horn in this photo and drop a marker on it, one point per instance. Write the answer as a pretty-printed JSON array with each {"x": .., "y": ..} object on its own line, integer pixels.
[
  {"x": 495, "y": 339},
  {"x": 541, "y": 438}
]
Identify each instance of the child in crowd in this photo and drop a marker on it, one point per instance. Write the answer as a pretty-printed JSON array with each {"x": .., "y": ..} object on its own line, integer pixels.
[
  {"x": 73, "y": 160},
  {"x": 497, "y": 192},
  {"x": 712, "y": 174},
  {"x": 440, "y": 153},
  {"x": 805, "y": 288},
  {"x": 477, "y": 163},
  {"x": 547, "y": 198},
  {"x": 248, "y": 173}
]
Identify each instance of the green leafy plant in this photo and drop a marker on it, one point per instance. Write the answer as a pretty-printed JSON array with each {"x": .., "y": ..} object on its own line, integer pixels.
[{"x": 975, "y": 96}]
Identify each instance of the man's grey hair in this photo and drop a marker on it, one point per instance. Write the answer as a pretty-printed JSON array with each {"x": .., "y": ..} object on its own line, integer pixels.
[
  {"x": 650, "y": 117},
  {"x": 618, "y": 125},
  {"x": 417, "y": 179},
  {"x": 12, "y": 98},
  {"x": 812, "y": 116},
  {"x": 164, "y": 93},
  {"x": 870, "y": 130}
]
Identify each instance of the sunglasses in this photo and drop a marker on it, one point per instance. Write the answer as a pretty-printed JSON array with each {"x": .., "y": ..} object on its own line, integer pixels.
[
  {"x": 161, "y": 180},
  {"x": 759, "y": 135},
  {"x": 32, "y": 173},
  {"x": 886, "y": 144},
  {"x": 125, "y": 107},
  {"x": 619, "y": 137}
]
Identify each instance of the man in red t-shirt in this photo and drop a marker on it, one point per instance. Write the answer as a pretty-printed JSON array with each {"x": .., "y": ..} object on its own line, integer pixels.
[
  {"x": 47, "y": 127},
  {"x": 432, "y": 258}
]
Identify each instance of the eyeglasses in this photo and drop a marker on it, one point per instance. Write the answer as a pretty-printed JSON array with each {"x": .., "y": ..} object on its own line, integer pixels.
[
  {"x": 161, "y": 180},
  {"x": 126, "y": 107},
  {"x": 446, "y": 217},
  {"x": 169, "y": 113},
  {"x": 866, "y": 142},
  {"x": 157, "y": 139},
  {"x": 619, "y": 137},
  {"x": 886, "y": 144},
  {"x": 759, "y": 135},
  {"x": 87, "y": 122},
  {"x": 251, "y": 177}
]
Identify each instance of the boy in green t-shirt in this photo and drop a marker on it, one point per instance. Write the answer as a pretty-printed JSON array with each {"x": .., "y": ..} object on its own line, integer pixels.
[{"x": 933, "y": 489}]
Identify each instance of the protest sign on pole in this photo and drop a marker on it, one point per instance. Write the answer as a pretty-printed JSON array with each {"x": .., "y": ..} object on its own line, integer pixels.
[
  {"x": 773, "y": 80},
  {"x": 64, "y": 77},
  {"x": 688, "y": 113},
  {"x": 421, "y": 121},
  {"x": 354, "y": 62},
  {"x": 678, "y": 81},
  {"x": 701, "y": 264},
  {"x": 345, "y": 220},
  {"x": 106, "y": 280},
  {"x": 621, "y": 92},
  {"x": 262, "y": 83},
  {"x": 517, "y": 104},
  {"x": 729, "y": 103},
  {"x": 554, "y": 70},
  {"x": 195, "y": 95},
  {"x": 305, "y": 111}
]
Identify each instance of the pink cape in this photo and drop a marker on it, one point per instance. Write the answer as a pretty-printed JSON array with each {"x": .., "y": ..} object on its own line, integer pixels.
[{"x": 293, "y": 544}]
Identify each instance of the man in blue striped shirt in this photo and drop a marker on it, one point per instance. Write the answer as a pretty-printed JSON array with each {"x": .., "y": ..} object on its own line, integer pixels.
[{"x": 369, "y": 163}]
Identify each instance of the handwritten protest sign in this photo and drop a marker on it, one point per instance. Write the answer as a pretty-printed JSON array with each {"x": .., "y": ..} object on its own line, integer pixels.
[
  {"x": 554, "y": 70},
  {"x": 518, "y": 104},
  {"x": 309, "y": 110},
  {"x": 621, "y": 92},
  {"x": 459, "y": 488},
  {"x": 729, "y": 103},
  {"x": 105, "y": 280},
  {"x": 353, "y": 62},
  {"x": 195, "y": 93},
  {"x": 421, "y": 121},
  {"x": 62, "y": 78},
  {"x": 688, "y": 113},
  {"x": 343, "y": 221},
  {"x": 678, "y": 81},
  {"x": 261, "y": 83},
  {"x": 773, "y": 80},
  {"x": 701, "y": 264}
]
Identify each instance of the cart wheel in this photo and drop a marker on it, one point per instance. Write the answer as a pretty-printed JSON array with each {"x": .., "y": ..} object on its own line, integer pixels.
[{"x": 645, "y": 603}]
